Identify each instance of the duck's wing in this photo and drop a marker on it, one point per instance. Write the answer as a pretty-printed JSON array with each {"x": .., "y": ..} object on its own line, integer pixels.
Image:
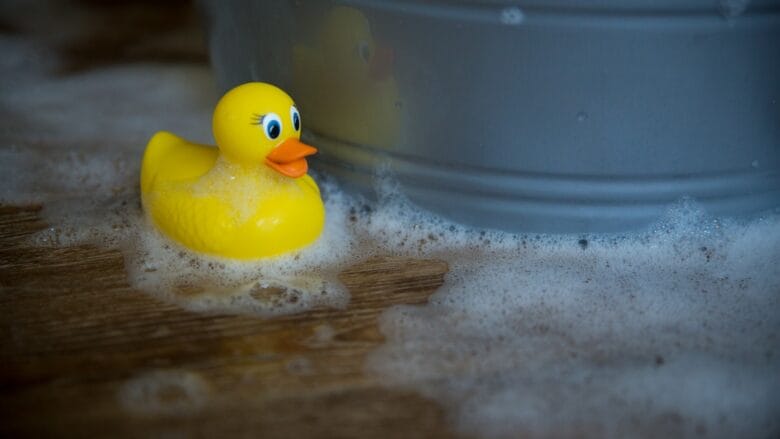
[{"x": 168, "y": 157}]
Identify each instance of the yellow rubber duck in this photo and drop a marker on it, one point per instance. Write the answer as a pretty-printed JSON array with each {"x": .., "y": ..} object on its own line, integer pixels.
[
  {"x": 346, "y": 75},
  {"x": 248, "y": 198}
]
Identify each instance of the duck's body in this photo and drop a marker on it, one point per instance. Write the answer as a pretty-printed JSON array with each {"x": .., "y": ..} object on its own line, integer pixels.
[{"x": 229, "y": 204}]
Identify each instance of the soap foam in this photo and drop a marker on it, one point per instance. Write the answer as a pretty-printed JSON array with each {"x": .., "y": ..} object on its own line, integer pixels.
[
  {"x": 164, "y": 392},
  {"x": 292, "y": 283},
  {"x": 669, "y": 331}
]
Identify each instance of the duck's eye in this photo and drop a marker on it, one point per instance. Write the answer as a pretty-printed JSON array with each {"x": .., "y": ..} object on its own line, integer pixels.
[
  {"x": 364, "y": 51},
  {"x": 272, "y": 125},
  {"x": 296, "y": 118}
]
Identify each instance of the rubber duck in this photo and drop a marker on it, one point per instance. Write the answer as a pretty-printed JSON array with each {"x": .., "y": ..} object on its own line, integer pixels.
[
  {"x": 346, "y": 76},
  {"x": 250, "y": 197}
]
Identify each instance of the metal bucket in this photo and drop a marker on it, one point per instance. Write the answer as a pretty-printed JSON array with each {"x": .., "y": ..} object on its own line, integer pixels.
[{"x": 545, "y": 115}]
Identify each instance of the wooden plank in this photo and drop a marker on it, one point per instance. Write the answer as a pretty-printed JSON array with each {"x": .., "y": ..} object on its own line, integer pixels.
[{"x": 77, "y": 343}]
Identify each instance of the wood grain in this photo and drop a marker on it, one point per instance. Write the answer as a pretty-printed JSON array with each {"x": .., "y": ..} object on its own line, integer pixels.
[{"x": 74, "y": 337}]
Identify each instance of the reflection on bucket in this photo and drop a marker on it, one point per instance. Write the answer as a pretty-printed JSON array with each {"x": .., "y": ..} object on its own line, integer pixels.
[{"x": 344, "y": 81}]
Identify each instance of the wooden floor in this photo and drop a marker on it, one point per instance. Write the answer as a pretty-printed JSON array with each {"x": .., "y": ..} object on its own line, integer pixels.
[{"x": 76, "y": 340}]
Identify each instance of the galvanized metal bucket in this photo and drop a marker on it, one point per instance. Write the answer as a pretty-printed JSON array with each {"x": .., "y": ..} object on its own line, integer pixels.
[{"x": 545, "y": 115}]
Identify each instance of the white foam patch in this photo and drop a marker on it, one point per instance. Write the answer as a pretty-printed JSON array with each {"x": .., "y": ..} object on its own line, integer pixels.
[
  {"x": 669, "y": 332},
  {"x": 164, "y": 392}
]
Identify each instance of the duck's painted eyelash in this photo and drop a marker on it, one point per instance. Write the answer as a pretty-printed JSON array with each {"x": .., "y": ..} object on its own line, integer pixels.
[{"x": 257, "y": 119}]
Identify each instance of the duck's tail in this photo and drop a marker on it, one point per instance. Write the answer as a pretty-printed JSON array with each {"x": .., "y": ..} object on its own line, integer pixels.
[
  {"x": 157, "y": 148},
  {"x": 170, "y": 157}
]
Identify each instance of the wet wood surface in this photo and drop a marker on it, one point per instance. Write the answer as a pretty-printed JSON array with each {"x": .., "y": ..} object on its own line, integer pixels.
[{"x": 76, "y": 339}]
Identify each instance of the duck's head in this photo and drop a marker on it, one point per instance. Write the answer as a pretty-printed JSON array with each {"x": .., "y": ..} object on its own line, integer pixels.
[
  {"x": 258, "y": 123},
  {"x": 349, "y": 46}
]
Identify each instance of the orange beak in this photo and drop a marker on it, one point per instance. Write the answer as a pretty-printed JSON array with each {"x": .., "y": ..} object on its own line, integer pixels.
[{"x": 289, "y": 157}]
